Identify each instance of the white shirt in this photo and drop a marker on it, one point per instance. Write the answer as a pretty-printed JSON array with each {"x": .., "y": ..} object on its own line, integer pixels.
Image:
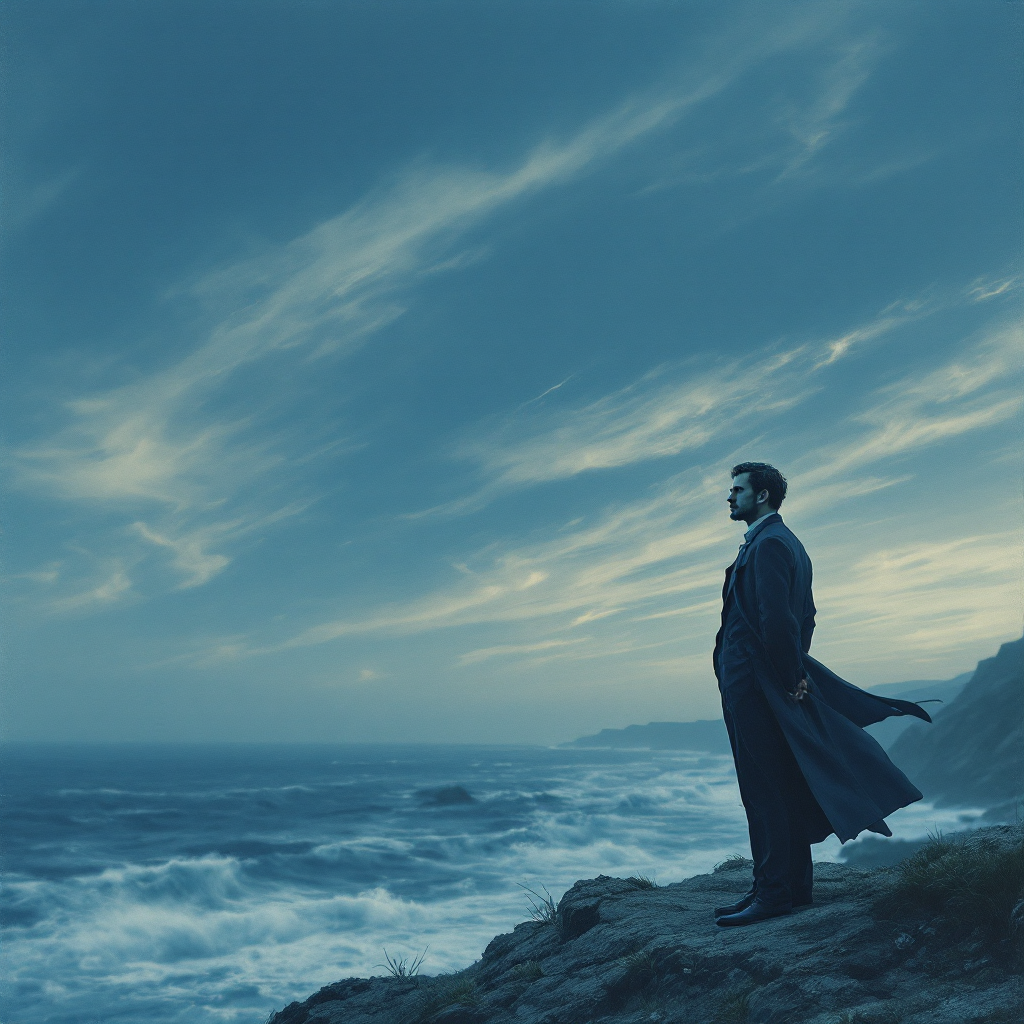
[{"x": 753, "y": 526}]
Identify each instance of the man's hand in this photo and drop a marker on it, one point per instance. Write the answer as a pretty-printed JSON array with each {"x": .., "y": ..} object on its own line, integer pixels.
[{"x": 802, "y": 689}]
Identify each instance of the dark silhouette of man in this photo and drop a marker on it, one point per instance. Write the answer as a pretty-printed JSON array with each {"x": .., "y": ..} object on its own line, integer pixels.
[{"x": 805, "y": 766}]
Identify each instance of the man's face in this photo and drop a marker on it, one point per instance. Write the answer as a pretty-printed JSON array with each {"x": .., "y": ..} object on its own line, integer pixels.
[{"x": 743, "y": 500}]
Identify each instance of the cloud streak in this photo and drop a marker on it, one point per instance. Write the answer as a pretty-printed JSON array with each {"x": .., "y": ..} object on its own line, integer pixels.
[
  {"x": 158, "y": 452},
  {"x": 655, "y": 565},
  {"x": 666, "y": 413}
]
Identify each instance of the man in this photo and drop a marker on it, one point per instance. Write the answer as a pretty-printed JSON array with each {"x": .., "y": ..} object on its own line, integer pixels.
[{"x": 805, "y": 766}]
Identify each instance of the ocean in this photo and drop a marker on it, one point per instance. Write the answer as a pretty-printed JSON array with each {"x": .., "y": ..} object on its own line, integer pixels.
[{"x": 216, "y": 883}]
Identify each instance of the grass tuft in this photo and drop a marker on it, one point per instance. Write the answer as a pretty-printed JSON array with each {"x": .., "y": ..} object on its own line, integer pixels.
[
  {"x": 444, "y": 992},
  {"x": 733, "y": 863},
  {"x": 542, "y": 908},
  {"x": 529, "y": 971},
  {"x": 404, "y": 967},
  {"x": 638, "y": 963},
  {"x": 734, "y": 1008},
  {"x": 967, "y": 885},
  {"x": 643, "y": 881}
]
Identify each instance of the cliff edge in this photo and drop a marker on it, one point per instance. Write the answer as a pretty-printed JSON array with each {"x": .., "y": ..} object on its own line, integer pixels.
[
  {"x": 973, "y": 753},
  {"x": 937, "y": 939}
]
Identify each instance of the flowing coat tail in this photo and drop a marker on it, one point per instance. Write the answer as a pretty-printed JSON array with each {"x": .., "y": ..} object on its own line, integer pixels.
[{"x": 847, "y": 770}]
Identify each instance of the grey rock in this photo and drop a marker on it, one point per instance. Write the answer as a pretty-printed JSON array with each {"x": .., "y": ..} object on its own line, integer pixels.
[
  {"x": 709, "y": 736},
  {"x": 625, "y": 954},
  {"x": 945, "y": 691},
  {"x": 972, "y": 755}
]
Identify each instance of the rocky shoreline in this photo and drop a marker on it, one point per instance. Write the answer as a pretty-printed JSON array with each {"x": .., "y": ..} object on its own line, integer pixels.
[{"x": 937, "y": 939}]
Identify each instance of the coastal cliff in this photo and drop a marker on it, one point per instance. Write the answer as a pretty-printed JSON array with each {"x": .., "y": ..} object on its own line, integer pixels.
[
  {"x": 936, "y": 939},
  {"x": 973, "y": 752}
]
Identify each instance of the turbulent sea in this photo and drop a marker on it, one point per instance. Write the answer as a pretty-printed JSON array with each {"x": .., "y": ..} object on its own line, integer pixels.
[{"x": 217, "y": 883}]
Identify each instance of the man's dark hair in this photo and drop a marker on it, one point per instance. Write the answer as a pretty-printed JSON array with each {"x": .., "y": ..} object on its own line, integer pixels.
[{"x": 764, "y": 478}]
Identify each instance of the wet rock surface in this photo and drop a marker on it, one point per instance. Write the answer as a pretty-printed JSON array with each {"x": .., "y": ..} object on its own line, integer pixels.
[{"x": 621, "y": 951}]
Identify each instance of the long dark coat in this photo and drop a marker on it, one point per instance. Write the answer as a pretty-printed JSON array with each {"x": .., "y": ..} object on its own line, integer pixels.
[{"x": 851, "y": 777}]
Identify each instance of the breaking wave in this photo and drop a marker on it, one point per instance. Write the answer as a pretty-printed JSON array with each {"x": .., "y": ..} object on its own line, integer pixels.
[{"x": 213, "y": 884}]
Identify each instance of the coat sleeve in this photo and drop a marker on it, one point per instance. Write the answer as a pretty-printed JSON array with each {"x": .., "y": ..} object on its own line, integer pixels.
[{"x": 774, "y": 577}]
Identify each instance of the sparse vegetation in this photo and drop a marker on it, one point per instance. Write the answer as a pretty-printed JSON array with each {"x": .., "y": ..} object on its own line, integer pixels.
[
  {"x": 531, "y": 970},
  {"x": 642, "y": 984},
  {"x": 735, "y": 1008},
  {"x": 651, "y": 1002},
  {"x": 542, "y": 908},
  {"x": 528, "y": 971},
  {"x": 964, "y": 885},
  {"x": 638, "y": 963},
  {"x": 447, "y": 990},
  {"x": 732, "y": 863},
  {"x": 404, "y": 967},
  {"x": 643, "y": 881}
]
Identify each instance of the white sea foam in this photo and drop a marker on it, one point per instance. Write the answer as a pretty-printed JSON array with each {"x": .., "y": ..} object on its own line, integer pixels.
[{"x": 325, "y": 883}]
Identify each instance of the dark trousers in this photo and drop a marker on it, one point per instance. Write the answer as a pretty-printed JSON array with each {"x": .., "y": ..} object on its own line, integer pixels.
[{"x": 776, "y": 797}]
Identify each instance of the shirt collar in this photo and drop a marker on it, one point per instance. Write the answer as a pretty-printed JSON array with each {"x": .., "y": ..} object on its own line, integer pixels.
[{"x": 755, "y": 524}]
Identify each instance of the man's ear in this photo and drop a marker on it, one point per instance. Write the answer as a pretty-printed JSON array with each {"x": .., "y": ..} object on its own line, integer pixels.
[{"x": 762, "y": 497}]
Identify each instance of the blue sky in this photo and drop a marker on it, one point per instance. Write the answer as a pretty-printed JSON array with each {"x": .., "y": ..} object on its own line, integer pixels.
[{"x": 373, "y": 371}]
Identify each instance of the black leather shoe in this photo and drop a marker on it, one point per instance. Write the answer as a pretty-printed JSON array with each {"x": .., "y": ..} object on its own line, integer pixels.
[
  {"x": 735, "y": 908},
  {"x": 757, "y": 911},
  {"x": 803, "y": 900}
]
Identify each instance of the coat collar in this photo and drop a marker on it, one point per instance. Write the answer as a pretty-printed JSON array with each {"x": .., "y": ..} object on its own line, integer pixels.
[
  {"x": 744, "y": 552},
  {"x": 767, "y": 521}
]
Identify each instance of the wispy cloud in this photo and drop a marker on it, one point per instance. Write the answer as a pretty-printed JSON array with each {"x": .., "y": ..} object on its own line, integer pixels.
[
  {"x": 656, "y": 563},
  {"x": 785, "y": 133},
  {"x": 934, "y": 598},
  {"x": 112, "y": 588},
  {"x": 983, "y": 288},
  {"x": 164, "y": 452},
  {"x": 189, "y": 554},
  {"x": 979, "y": 389},
  {"x": 665, "y": 413},
  {"x": 512, "y": 650},
  {"x": 24, "y": 205},
  {"x": 890, "y": 318},
  {"x": 814, "y": 126}
]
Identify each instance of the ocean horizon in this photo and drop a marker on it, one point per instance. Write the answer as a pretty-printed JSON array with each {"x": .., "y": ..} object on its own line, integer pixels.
[{"x": 216, "y": 882}]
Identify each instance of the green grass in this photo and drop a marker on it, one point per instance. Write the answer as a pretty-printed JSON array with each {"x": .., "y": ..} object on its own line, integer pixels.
[
  {"x": 965, "y": 886},
  {"x": 542, "y": 908},
  {"x": 638, "y": 963},
  {"x": 643, "y": 881},
  {"x": 732, "y": 863},
  {"x": 529, "y": 971},
  {"x": 734, "y": 1008},
  {"x": 444, "y": 992},
  {"x": 404, "y": 967}
]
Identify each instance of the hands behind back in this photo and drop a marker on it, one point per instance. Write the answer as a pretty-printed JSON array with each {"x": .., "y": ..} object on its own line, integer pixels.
[{"x": 802, "y": 689}]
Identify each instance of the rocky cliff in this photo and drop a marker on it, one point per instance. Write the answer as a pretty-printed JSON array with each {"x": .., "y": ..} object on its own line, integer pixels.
[
  {"x": 708, "y": 736},
  {"x": 973, "y": 752},
  {"x": 935, "y": 940}
]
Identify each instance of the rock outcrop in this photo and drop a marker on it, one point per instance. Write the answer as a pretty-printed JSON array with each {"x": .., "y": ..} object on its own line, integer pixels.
[
  {"x": 707, "y": 736},
  {"x": 973, "y": 752},
  {"x": 936, "y": 941},
  {"x": 944, "y": 690}
]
